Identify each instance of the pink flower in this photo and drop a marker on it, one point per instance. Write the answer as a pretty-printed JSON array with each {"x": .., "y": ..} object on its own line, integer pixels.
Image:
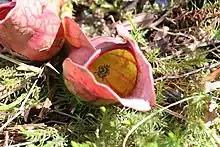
[
  {"x": 104, "y": 70},
  {"x": 32, "y": 28}
]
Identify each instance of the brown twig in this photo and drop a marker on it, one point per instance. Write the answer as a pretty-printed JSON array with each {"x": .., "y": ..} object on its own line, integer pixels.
[
  {"x": 21, "y": 144},
  {"x": 6, "y": 138},
  {"x": 10, "y": 120},
  {"x": 161, "y": 19},
  {"x": 62, "y": 113},
  {"x": 27, "y": 126},
  {"x": 174, "y": 34},
  {"x": 189, "y": 73},
  {"x": 172, "y": 113}
]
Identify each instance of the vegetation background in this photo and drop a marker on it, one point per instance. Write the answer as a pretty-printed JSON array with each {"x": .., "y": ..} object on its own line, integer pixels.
[{"x": 180, "y": 39}]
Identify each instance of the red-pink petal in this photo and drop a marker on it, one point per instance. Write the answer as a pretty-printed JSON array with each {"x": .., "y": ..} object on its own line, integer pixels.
[
  {"x": 80, "y": 48},
  {"x": 145, "y": 83},
  {"x": 32, "y": 28},
  {"x": 143, "y": 95},
  {"x": 83, "y": 83}
]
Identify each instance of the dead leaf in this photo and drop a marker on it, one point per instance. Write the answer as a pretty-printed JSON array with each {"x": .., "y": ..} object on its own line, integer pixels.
[
  {"x": 211, "y": 86},
  {"x": 162, "y": 40},
  {"x": 45, "y": 108},
  {"x": 27, "y": 126},
  {"x": 2, "y": 87},
  {"x": 142, "y": 20},
  {"x": 211, "y": 113},
  {"x": 161, "y": 34},
  {"x": 192, "y": 45},
  {"x": 26, "y": 114},
  {"x": 214, "y": 75}
]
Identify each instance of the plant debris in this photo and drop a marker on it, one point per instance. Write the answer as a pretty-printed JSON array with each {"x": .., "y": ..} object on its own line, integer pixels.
[{"x": 181, "y": 41}]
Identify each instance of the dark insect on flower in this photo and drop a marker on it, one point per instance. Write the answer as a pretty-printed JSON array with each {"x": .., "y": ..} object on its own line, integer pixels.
[{"x": 103, "y": 71}]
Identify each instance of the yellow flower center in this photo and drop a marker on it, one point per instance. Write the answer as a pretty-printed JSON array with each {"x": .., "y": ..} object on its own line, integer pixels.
[{"x": 117, "y": 69}]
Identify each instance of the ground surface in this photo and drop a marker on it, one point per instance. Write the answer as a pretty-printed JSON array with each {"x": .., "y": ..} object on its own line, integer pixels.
[{"x": 186, "y": 69}]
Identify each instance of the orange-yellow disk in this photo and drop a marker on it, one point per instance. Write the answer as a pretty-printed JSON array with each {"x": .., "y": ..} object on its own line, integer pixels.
[{"x": 117, "y": 69}]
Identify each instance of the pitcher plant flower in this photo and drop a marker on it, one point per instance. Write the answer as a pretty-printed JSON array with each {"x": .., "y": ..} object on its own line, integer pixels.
[
  {"x": 32, "y": 28},
  {"x": 104, "y": 70}
]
